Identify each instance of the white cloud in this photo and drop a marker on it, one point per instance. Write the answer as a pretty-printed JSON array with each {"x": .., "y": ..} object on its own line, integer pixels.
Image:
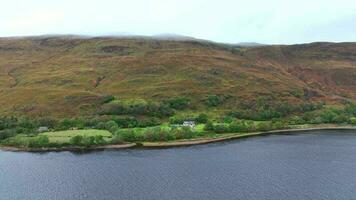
[{"x": 273, "y": 21}]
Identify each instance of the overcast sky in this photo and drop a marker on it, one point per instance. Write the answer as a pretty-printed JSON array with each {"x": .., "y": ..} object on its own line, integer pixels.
[{"x": 232, "y": 21}]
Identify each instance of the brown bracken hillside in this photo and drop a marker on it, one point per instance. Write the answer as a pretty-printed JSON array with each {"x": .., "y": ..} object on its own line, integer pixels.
[{"x": 69, "y": 76}]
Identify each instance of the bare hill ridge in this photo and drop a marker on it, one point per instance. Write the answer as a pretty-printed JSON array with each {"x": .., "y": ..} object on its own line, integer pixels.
[{"x": 68, "y": 76}]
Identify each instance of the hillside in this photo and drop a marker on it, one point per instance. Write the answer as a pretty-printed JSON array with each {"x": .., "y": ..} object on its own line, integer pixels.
[{"x": 71, "y": 76}]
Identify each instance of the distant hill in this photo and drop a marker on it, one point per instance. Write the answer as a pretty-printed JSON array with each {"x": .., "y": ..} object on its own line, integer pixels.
[
  {"x": 67, "y": 76},
  {"x": 249, "y": 44}
]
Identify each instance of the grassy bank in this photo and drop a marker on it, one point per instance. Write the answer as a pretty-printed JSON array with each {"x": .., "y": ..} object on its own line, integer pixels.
[
  {"x": 230, "y": 136},
  {"x": 63, "y": 140}
]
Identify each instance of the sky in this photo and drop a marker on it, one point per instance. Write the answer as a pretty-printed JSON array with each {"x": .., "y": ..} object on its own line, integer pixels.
[{"x": 228, "y": 21}]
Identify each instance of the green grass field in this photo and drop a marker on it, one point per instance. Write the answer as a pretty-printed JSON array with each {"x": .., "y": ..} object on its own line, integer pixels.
[
  {"x": 64, "y": 136},
  {"x": 57, "y": 137}
]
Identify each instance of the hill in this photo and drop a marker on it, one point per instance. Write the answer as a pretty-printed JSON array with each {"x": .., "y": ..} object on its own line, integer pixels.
[{"x": 70, "y": 76}]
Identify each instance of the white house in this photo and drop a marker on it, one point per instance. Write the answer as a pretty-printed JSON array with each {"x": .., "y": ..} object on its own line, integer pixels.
[
  {"x": 190, "y": 124},
  {"x": 43, "y": 129}
]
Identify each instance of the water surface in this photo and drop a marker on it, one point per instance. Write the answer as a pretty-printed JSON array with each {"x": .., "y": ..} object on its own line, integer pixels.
[{"x": 318, "y": 165}]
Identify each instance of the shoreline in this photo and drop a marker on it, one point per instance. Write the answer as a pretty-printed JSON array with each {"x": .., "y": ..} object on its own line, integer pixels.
[
  {"x": 233, "y": 136},
  {"x": 59, "y": 149},
  {"x": 178, "y": 143}
]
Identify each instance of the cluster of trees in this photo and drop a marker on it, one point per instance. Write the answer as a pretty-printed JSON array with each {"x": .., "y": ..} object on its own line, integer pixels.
[
  {"x": 148, "y": 109},
  {"x": 264, "y": 111},
  {"x": 126, "y": 122},
  {"x": 238, "y": 126},
  {"x": 12, "y": 126},
  {"x": 215, "y": 100},
  {"x": 328, "y": 115},
  {"x": 87, "y": 141},
  {"x": 41, "y": 141},
  {"x": 164, "y": 109},
  {"x": 272, "y": 116},
  {"x": 155, "y": 134},
  {"x": 28, "y": 142},
  {"x": 313, "y": 114},
  {"x": 350, "y": 109},
  {"x": 179, "y": 103}
]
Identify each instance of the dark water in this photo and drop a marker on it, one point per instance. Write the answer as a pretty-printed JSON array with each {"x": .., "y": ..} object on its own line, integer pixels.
[{"x": 304, "y": 166}]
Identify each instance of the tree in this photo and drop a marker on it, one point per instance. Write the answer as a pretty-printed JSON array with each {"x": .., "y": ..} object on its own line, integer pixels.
[
  {"x": 107, "y": 98},
  {"x": 101, "y": 126},
  {"x": 209, "y": 126},
  {"x": 353, "y": 120},
  {"x": 202, "y": 118},
  {"x": 76, "y": 140},
  {"x": 88, "y": 141},
  {"x": 65, "y": 124},
  {"x": 295, "y": 120},
  {"x": 99, "y": 139},
  {"x": 111, "y": 126},
  {"x": 26, "y": 123},
  {"x": 213, "y": 100},
  {"x": 328, "y": 116},
  {"x": 351, "y": 109},
  {"x": 178, "y": 103},
  {"x": 238, "y": 126},
  {"x": 42, "y": 140}
]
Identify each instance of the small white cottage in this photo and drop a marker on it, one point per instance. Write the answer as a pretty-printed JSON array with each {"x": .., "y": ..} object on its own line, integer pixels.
[
  {"x": 190, "y": 124},
  {"x": 43, "y": 129}
]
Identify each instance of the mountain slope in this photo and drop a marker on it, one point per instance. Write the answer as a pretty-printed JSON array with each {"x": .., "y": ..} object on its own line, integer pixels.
[{"x": 69, "y": 76}]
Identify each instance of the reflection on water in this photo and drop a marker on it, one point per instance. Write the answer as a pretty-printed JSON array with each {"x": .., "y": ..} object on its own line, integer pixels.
[{"x": 318, "y": 165}]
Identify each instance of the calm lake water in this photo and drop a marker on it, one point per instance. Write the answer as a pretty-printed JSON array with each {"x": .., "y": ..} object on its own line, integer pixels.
[{"x": 317, "y": 165}]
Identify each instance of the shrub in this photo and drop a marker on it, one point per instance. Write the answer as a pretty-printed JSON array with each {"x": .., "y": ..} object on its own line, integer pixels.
[
  {"x": 48, "y": 122},
  {"x": 117, "y": 139},
  {"x": 214, "y": 100},
  {"x": 221, "y": 128},
  {"x": 296, "y": 120},
  {"x": 209, "y": 126},
  {"x": 202, "y": 118},
  {"x": 187, "y": 132},
  {"x": 76, "y": 140},
  {"x": 26, "y": 123},
  {"x": 129, "y": 135},
  {"x": 152, "y": 121},
  {"x": 42, "y": 141},
  {"x": 148, "y": 109},
  {"x": 99, "y": 140},
  {"x": 88, "y": 141},
  {"x": 101, "y": 126},
  {"x": 228, "y": 119},
  {"x": 316, "y": 120},
  {"x": 7, "y": 133},
  {"x": 353, "y": 120},
  {"x": 278, "y": 125},
  {"x": 265, "y": 110},
  {"x": 107, "y": 99},
  {"x": 183, "y": 133},
  {"x": 178, "y": 103},
  {"x": 65, "y": 124},
  {"x": 111, "y": 126},
  {"x": 351, "y": 109},
  {"x": 264, "y": 126},
  {"x": 328, "y": 116},
  {"x": 238, "y": 126}
]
